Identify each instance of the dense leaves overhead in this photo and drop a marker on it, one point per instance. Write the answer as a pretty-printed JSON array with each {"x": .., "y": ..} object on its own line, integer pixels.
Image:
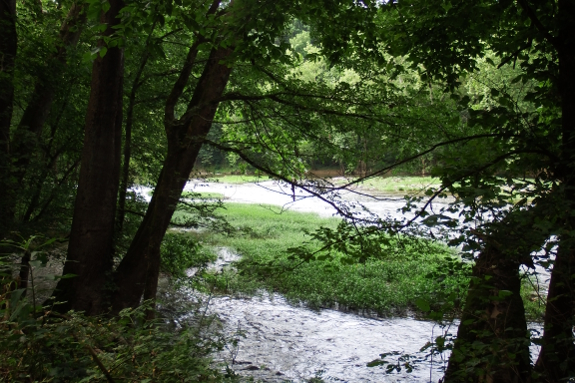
[{"x": 446, "y": 38}]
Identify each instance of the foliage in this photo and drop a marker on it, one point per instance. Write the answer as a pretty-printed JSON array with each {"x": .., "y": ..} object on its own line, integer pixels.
[
  {"x": 180, "y": 252},
  {"x": 42, "y": 346},
  {"x": 77, "y": 348},
  {"x": 476, "y": 93},
  {"x": 202, "y": 195}
]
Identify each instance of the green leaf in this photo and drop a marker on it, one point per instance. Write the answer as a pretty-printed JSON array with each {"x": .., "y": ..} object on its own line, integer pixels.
[
  {"x": 377, "y": 362},
  {"x": 422, "y": 304},
  {"x": 66, "y": 276},
  {"x": 15, "y": 296}
]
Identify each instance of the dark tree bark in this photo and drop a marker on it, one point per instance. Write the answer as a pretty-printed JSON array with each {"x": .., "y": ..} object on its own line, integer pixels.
[
  {"x": 556, "y": 361},
  {"x": 138, "y": 271},
  {"x": 90, "y": 249},
  {"x": 492, "y": 342},
  {"x": 8, "y": 49},
  {"x": 24, "y": 271}
]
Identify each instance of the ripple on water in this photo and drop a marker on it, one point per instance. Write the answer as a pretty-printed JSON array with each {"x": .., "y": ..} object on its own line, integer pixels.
[{"x": 297, "y": 342}]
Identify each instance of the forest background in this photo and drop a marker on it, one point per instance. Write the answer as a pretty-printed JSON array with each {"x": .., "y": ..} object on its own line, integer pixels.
[{"x": 98, "y": 96}]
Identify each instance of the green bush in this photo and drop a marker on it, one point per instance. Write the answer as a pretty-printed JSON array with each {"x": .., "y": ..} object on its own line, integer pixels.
[
  {"x": 180, "y": 252},
  {"x": 39, "y": 345},
  {"x": 49, "y": 347}
]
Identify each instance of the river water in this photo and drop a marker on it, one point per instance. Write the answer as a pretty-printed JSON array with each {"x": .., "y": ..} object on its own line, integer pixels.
[
  {"x": 284, "y": 197},
  {"x": 281, "y": 342}
]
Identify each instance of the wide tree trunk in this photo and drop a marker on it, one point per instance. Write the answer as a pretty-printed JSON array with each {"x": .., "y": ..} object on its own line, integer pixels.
[
  {"x": 557, "y": 357},
  {"x": 556, "y": 360},
  {"x": 8, "y": 48},
  {"x": 90, "y": 250},
  {"x": 492, "y": 342},
  {"x": 139, "y": 269}
]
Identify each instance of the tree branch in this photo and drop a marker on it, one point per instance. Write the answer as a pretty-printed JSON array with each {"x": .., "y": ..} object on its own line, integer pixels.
[
  {"x": 515, "y": 54},
  {"x": 182, "y": 80},
  {"x": 535, "y": 20}
]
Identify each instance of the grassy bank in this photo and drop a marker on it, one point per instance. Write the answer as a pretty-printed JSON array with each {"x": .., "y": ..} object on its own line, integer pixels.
[
  {"x": 404, "y": 273},
  {"x": 202, "y": 195},
  {"x": 236, "y": 179},
  {"x": 387, "y": 185},
  {"x": 390, "y": 284},
  {"x": 398, "y": 185}
]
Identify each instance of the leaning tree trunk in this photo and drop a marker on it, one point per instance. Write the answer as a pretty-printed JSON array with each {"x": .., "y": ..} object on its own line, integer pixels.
[
  {"x": 557, "y": 357},
  {"x": 8, "y": 48},
  {"x": 90, "y": 249},
  {"x": 139, "y": 269}
]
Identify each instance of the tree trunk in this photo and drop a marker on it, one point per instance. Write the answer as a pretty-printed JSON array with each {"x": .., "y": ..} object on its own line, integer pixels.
[
  {"x": 128, "y": 142},
  {"x": 90, "y": 249},
  {"x": 557, "y": 357},
  {"x": 138, "y": 271},
  {"x": 492, "y": 342},
  {"x": 556, "y": 360},
  {"x": 8, "y": 48}
]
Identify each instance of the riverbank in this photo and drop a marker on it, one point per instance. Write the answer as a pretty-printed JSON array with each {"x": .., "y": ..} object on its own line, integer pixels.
[
  {"x": 392, "y": 281},
  {"x": 282, "y": 338},
  {"x": 380, "y": 185},
  {"x": 388, "y": 283}
]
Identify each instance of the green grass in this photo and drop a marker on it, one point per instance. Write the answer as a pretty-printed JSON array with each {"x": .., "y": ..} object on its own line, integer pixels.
[
  {"x": 534, "y": 299},
  {"x": 202, "y": 195},
  {"x": 389, "y": 284},
  {"x": 399, "y": 184},
  {"x": 237, "y": 179},
  {"x": 378, "y": 184},
  {"x": 404, "y": 271},
  {"x": 197, "y": 195}
]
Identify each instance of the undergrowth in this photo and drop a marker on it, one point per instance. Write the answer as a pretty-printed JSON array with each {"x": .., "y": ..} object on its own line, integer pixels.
[{"x": 40, "y": 345}]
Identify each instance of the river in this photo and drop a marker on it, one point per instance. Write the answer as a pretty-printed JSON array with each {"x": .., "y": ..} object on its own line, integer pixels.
[{"x": 281, "y": 342}]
